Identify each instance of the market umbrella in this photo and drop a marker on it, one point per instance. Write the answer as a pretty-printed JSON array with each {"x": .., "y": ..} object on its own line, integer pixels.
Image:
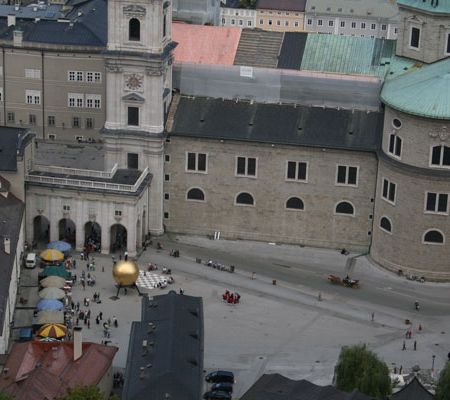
[
  {"x": 59, "y": 245},
  {"x": 55, "y": 271},
  {"x": 53, "y": 281},
  {"x": 53, "y": 331},
  {"x": 51, "y": 293},
  {"x": 50, "y": 317},
  {"x": 51, "y": 255},
  {"x": 49, "y": 304}
]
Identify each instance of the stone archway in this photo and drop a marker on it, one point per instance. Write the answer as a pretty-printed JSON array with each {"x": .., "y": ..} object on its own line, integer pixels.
[
  {"x": 67, "y": 231},
  {"x": 41, "y": 230},
  {"x": 93, "y": 235},
  {"x": 118, "y": 238}
]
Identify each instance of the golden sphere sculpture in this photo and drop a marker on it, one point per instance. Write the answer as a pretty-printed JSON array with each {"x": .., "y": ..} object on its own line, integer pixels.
[{"x": 125, "y": 273}]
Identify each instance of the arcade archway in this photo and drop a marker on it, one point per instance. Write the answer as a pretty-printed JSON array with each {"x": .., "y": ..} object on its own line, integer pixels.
[
  {"x": 118, "y": 238},
  {"x": 41, "y": 230},
  {"x": 67, "y": 231},
  {"x": 92, "y": 236}
]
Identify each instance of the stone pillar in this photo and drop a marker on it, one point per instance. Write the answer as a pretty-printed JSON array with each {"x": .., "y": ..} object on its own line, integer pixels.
[
  {"x": 54, "y": 227},
  {"x": 131, "y": 237},
  {"x": 79, "y": 237},
  {"x": 106, "y": 238}
]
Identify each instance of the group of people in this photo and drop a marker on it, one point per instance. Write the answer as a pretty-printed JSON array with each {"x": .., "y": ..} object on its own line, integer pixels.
[{"x": 230, "y": 297}]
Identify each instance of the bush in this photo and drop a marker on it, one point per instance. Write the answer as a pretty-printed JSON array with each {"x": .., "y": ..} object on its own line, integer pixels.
[{"x": 443, "y": 387}]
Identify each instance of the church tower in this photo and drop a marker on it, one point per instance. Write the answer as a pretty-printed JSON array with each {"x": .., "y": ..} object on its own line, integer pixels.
[{"x": 139, "y": 87}]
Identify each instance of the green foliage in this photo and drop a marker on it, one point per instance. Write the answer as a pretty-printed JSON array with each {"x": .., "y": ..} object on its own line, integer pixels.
[
  {"x": 86, "y": 393},
  {"x": 443, "y": 387},
  {"x": 359, "y": 368},
  {"x": 247, "y": 3},
  {"x": 4, "y": 396}
]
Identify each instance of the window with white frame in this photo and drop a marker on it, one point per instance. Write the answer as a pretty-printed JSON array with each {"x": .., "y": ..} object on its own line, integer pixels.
[
  {"x": 433, "y": 236},
  {"x": 297, "y": 171},
  {"x": 386, "y": 224},
  {"x": 344, "y": 208},
  {"x": 414, "y": 37},
  {"x": 342, "y": 24},
  {"x": 363, "y": 25},
  {"x": 196, "y": 162},
  {"x": 330, "y": 22},
  {"x": 89, "y": 123},
  {"x": 353, "y": 25},
  {"x": 347, "y": 175},
  {"x": 66, "y": 207},
  {"x": 75, "y": 100},
  {"x": 395, "y": 145},
  {"x": 117, "y": 213},
  {"x": 32, "y": 73},
  {"x": 383, "y": 27},
  {"x": 296, "y": 24},
  {"x": 94, "y": 101},
  {"x": 389, "y": 191},
  {"x": 436, "y": 203},
  {"x": 80, "y": 75},
  {"x": 75, "y": 76},
  {"x": 71, "y": 76},
  {"x": 246, "y": 166},
  {"x": 95, "y": 77},
  {"x": 319, "y": 22},
  {"x": 33, "y": 96},
  {"x": 440, "y": 156},
  {"x": 373, "y": 26}
]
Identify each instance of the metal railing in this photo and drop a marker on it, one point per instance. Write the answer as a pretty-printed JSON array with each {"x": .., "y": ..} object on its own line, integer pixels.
[{"x": 74, "y": 171}]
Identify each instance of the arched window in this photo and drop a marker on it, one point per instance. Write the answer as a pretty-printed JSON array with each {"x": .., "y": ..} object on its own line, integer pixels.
[
  {"x": 386, "y": 224},
  {"x": 134, "y": 29},
  {"x": 344, "y": 207},
  {"x": 295, "y": 203},
  {"x": 245, "y": 198},
  {"x": 433, "y": 236},
  {"x": 440, "y": 156},
  {"x": 195, "y": 194}
]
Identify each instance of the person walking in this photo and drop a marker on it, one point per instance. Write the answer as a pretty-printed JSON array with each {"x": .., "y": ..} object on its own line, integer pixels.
[
  {"x": 100, "y": 316},
  {"x": 415, "y": 345},
  {"x": 404, "y": 346}
]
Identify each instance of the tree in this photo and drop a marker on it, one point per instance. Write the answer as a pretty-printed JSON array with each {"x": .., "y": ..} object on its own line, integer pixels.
[
  {"x": 86, "y": 393},
  {"x": 359, "y": 368},
  {"x": 443, "y": 387},
  {"x": 4, "y": 396}
]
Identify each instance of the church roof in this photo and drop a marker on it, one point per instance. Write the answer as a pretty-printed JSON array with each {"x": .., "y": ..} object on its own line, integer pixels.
[
  {"x": 413, "y": 390},
  {"x": 432, "y": 6},
  {"x": 423, "y": 91}
]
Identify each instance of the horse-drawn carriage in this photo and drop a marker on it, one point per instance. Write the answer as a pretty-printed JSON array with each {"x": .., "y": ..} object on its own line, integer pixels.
[{"x": 347, "y": 281}]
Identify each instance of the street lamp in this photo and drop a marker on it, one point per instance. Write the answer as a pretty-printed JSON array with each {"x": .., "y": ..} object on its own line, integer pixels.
[{"x": 432, "y": 365}]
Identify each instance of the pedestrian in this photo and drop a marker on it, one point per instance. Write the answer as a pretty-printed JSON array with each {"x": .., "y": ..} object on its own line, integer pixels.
[
  {"x": 74, "y": 264},
  {"x": 87, "y": 266},
  {"x": 181, "y": 291},
  {"x": 253, "y": 275},
  {"x": 126, "y": 256},
  {"x": 109, "y": 321},
  {"x": 89, "y": 323},
  {"x": 100, "y": 315},
  {"x": 373, "y": 316},
  {"x": 83, "y": 283},
  {"x": 97, "y": 320},
  {"x": 72, "y": 305},
  {"x": 116, "y": 324},
  {"x": 125, "y": 290},
  {"x": 78, "y": 306},
  {"x": 404, "y": 346},
  {"x": 88, "y": 314},
  {"x": 320, "y": 296},
  {"x": 77, "y": 321},
  {"x": 415, "y": 345},
  {"x": 400, "y": 370},
  {"x": 103, "y": 268},
  {"x": 85, "y": 319}
]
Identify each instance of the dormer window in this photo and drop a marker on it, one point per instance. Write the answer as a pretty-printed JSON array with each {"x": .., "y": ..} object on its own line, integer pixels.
[{"x": 134, "y": 30}]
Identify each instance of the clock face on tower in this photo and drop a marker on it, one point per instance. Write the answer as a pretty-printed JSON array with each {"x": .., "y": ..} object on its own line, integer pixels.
[{"x": 134, "y": 82}]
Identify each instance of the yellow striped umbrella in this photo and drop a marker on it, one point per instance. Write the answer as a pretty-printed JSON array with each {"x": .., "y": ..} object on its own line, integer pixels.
[
  {"x": 53, "y": 330},
  {"x": 51, "y": 255}
]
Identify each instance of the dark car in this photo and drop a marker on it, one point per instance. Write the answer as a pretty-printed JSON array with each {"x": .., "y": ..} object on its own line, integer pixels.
[
  {"x": 217, "y": 395},
  {"x": 222, "y": 387},
  {"x": 220, "y": 376}
]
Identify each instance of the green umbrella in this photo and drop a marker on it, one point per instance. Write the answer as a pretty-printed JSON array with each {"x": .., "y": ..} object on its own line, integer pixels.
[{"x": 56, "y": 271}]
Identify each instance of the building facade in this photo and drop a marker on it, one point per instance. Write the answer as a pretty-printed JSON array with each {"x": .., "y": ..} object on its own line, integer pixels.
[{"x": 280, "y": 15}]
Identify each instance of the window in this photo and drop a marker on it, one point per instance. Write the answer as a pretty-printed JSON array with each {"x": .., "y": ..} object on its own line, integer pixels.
[
  {"x": 389, "y": 191},
  {"x": 195, "y": 194},
  {"x": 11, "y": 117},
  {"x": 286, "y": 23},
  {"x": 246, "y": 166},
  {"x": 447, "y": 46},
  {"x": 440, "y": 156},
  {"x": 233, "y": 22},
  {"x": 167, "y": 158},
  {"x": 66, "y": 207},
  {"x": 89, "y": 123},
  {"x": 433, "y": 237},
  {"x": 414, "y": 38},
  {"x": 51, "y": 136},
  {"x": 296, "y": 171},
  {"x": 80, "y": 75},
  {"x": 342, "y": 24},
  {"x": 319, "y": 22},
  {"x": 330, "y": 23},
  {"x": 71, "y": 76},
  {"x": 75, "y": 100},
  {"x": 249, "y": 23},
  {"x": 346, "y": 175},
  {"x": 166, "y": 215},
  {"x": 167, "y": 177},
  {"x": 395, "y": 145},
  {"x": 353, "y": 25},
  {"x": 93, "y": 101},
  {"x": 95, "y": 77},
  {"x": 296, "y": 24},
  {"x": 33, "y": 96},
  {"x": 133, "y": 116},
  {"x": 294, "y": 203},
  {"x": 245, "y": 199},
  {"x": 166, "y": 196},
  {"x": 261, "y": 21},
  {"x": 196, "y": 162},
  {"x": 241, "y": 22},
  {"x": 373, "y": 26},
  {"x": 395, "y": 30},
  {"x": 51, "y": 120},
  {"x": 270, "y": 22},
  {"x": 32, "y": 119},
  {"x": 134, "y": 30},
  {"x": 383, "y": 27},
  {"x": 436, "y": 203},
  {"x": 223, "y": 21},
  {"x": 164, "y": 25},
  {"x": 309, "y": 22},
  {"x": 396, "y": 123},
  {"x": 363, "y": 25},
  {"x": 76, "y": 122},
  {"x": 117, "y": 213},
  {"x": 344, "y": 207},
  {"x": 385, "y": 224},
  {"x": 32, "y": 73},
  {"x": 278, "y": 22},
  {"x": 132, "y": 160}
]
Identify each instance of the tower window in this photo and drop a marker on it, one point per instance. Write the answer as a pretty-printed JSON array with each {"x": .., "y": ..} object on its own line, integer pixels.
[
  {"x": 415, "y": 38},
  {"x": 165, "y": 26},
  {"x": 134, "y": 29},
  {"x": 133, "y": 116}
]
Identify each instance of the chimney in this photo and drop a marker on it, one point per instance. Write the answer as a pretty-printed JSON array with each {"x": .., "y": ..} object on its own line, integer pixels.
[
  {"x": 17, "y": 38},
  {"x": 11, "y": 19},
  {"x": 77, "y": 343},
  {"x": 7, "y": 243}
]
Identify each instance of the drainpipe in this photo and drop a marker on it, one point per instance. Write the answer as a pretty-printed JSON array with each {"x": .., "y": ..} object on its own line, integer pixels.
[{"x": 43, "y": 94}]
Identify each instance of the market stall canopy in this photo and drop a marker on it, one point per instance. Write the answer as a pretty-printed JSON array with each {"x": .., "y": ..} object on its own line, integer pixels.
[
  {"x": 56, "y": 271},
  {"x": 51, "y": 255},
  {"x": 49, "y": 304},
  {"x": 50, "y": 317},
  {"x": 51, "y": 293},
  {"x": 53, "y": 331},
  {"x": 60, "y": 245},
  {"x": 53, "y": 281}
]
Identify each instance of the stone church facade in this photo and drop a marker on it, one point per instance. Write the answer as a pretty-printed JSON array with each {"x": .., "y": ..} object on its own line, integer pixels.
[{"x": 373, "y": 182}]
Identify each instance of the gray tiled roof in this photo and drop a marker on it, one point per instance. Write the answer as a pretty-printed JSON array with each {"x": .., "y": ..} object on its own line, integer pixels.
[
  {"x": 283, "y": 5},
  {"x": 174, "y": 363},
  {"x": 278, "y": 124},
  {"x": 12, "y": 143}
]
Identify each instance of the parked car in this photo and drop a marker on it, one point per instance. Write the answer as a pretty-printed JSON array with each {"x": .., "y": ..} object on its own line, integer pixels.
[
  {"x": 217, "y": 395},
  {"x": 31, "y": 260},
  {"x": 220, "y": 376},
  {"x": 222, "y": 387}
]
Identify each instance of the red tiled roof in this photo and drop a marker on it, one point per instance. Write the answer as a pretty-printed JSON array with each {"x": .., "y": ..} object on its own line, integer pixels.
[
  {"x": 44, "y": 371},
  {"x": 205, "y": 44}
]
